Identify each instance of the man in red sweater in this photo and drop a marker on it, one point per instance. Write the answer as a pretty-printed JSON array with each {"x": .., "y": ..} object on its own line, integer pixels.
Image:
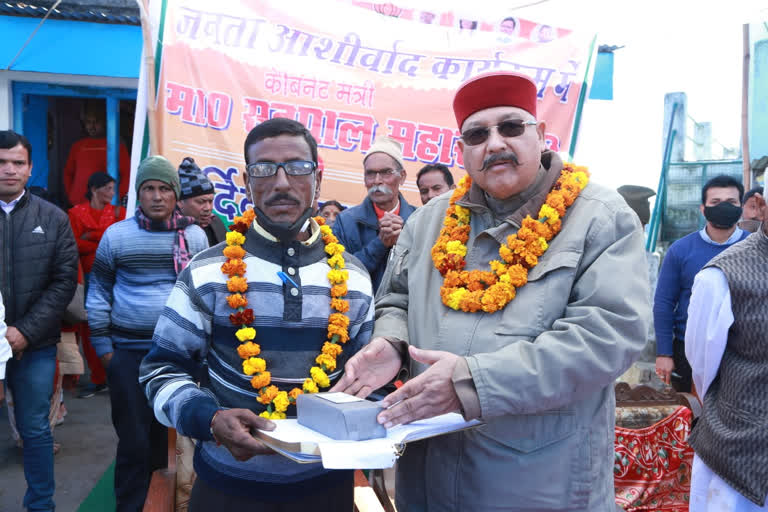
[{"x": 89, "y": 155}]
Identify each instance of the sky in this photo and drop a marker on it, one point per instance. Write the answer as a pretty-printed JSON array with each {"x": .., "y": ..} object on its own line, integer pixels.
[{"x": 669, "y": 46}]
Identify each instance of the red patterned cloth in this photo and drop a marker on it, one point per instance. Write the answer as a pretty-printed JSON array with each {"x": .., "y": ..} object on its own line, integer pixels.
[{"x": 652, "y": 468}]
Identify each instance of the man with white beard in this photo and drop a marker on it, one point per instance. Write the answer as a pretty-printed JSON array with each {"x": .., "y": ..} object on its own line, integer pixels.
[
  {"x": 370, "y": 229},
  {"x": 727, "y": 346}
]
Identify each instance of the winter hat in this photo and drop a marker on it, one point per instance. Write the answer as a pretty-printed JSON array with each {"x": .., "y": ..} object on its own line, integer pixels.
[
  {"x": 388, "y": 146},
  {"x": 494, "y": 89},
  {"x": 193, "y": 181},
  {"x": 158, "y": 168}
]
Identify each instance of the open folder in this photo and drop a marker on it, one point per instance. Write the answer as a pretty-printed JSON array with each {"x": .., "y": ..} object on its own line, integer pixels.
[{"x": 304, "y": 445}]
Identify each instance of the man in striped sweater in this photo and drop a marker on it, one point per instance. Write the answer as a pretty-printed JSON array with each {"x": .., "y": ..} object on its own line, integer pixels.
[
  {"x": 289, "y": 292},
  {"x": 136, "y": 266}
]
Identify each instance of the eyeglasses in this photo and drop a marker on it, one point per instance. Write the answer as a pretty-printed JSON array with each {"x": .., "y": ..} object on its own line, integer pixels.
[
  {"x": 475, "y": 136},
  {"x": 293, "y": 168},
  {"x": 384, "y": 173}
]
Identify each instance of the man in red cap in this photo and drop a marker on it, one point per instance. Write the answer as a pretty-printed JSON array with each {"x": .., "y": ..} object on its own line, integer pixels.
[{"x": 515, "y": 301}]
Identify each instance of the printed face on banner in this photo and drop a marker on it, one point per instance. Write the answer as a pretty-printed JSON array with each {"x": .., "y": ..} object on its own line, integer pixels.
[
  {"x": 282, "y": 197},
  {"x": 226, "y": 69},
  {"x": 503, "y": 166}
]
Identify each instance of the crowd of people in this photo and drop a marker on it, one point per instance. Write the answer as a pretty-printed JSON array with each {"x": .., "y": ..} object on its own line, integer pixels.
[{"x": 510, "y": 296}]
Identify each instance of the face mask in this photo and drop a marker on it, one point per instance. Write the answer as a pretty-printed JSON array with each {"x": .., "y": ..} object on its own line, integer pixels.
[
  {"x": 723, "y": 215},
  {"x": 284, "y": 232}
]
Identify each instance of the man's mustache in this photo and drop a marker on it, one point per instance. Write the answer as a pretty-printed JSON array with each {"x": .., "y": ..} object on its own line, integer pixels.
[
  {"x": 281, "y": 197},
  {"x": 500, "y": 157},
  {"x": 384, "y": 189}
]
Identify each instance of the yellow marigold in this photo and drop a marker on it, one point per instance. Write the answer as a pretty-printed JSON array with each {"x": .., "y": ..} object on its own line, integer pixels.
[
  {"x": 462, "y": 214},
  {"x": 336, "y": 261},
  {"x": 581, "y": 178},
  {"x": 332, "y": 349},
  {"x": 234, "y": 252},
  {"x": 454, "y": 298},
  {"x": 328, "y": 361},
  {"x": 340, "y": 305},
  {"x": 235, "y": 238},
  {"x": 268, "y": 394},
  {"x": 261, "y": 380},
  {"x": 237, "y": 301},
  {"x": 237, "y": 284},
  {"x": 325, "y": 229},
  {"x": 309, "y": 386},
  {"x": 498, "y": 267},
  {"x": 550, "y": 213},
  {"x": 320, "y": 377},
  {"x": 246, "y": 334},
  {"x": 254, "y": 365},
  {"x": 265, "y": 414},
  {"x": 450, "y": 222},
  {"x": 338, "y": 276},
  {"x": 277, "y": 415},
  {"x": 334, "y": 249},
  {"x": 294, "y": 393},
  {"x": 456, "y": 247},
  {"x": 281, "y": 401},
  {"x": 506, "y": 254},
  {"x": 339, "y": 290},
  {"x": 248, "y": 349}
]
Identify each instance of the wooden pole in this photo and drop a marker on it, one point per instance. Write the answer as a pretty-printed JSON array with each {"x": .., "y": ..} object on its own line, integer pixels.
[
  {"x": 149, "y": 63},
  {"x": 746, "y": 165}
]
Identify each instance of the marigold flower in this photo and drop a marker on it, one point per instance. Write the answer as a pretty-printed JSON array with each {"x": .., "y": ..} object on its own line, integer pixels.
[
  {"x": 281, "y": 401},
  {"x": 336, "y": 261},
  {"x": 237, "y": 301},
  {"x": 332, "y": 349},
  {"x": 268, "y": 394},
  {"x": 265, "y": 414},
  {"x": 254, "y": 365},
  {"x": 309, "y": 386},
  {"x": 340, "y": 305},
  {"x": 341, "y": 333},
  {"x": 244, "y": 317},
  {"x": 237, "y": 284},
  {"x": 334, "y": 249},
  {"x": 234, "y": 267},
  {"x": 320, "y": 377},
  {"x": 277, "y": 415},
  {"x": 294, "y": 393},
  {"x": 234, "y": 252},
  {"x": 245, "y": 334},
  {"x": 235, "y": 238},
  {"x": 261, "y": 381},
  {"x": 456, "y": 247},
  {"x": 249, "y": 215},
  {"x": 327, "y": 361},
  {"x": 339, "y": 290},
  {"x": 338, "y": 276},
  {"x": 239, "y": 225},
  {"x": 320, "y": 221},
  {"x": 454, "y": 299},
  {"x": 248, "y": 349},
  {"x": 338, "y": 319}
]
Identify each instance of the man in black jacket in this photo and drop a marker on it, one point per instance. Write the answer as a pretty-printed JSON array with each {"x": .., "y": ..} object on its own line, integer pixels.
[{"x": 38, "y": 276}]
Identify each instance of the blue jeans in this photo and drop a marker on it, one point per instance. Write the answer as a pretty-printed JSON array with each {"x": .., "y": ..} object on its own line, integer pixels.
[{"x": 30, "y": 379}]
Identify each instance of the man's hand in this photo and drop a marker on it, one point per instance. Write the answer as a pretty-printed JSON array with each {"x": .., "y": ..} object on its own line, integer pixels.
[
  {"x": 390, "y": 226},
  {"x": 428, "y": 395},
  {"x": 106, "y": 359},
  {"x": 234, "y": 428},
  {"x": 17, "y": 341},
  {"x": 665, "y": 365},
  {"x": 375, "y": 365}
]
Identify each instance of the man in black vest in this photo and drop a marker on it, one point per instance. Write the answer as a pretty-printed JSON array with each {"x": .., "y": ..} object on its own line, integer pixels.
[{"x": 726, "y": 342}]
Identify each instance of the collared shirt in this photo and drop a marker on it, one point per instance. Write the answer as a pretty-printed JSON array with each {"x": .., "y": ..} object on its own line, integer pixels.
[
  {"x": 8, "y": 207},
  {"x": 710, "y": 316},
  {"x": 737, "y": 233},
  {"x": 380, "y": 213}
]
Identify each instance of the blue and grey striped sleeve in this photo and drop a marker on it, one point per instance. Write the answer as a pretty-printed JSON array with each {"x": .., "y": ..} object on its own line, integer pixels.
[
  {"x": 99, "y": 299},
  {"x": 168, "y": 372}
]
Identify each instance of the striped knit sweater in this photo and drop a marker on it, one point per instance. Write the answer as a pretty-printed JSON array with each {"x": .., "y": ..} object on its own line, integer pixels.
[
  {"x": 130, "y": 281},
  {"x": 291, "y": 323}
]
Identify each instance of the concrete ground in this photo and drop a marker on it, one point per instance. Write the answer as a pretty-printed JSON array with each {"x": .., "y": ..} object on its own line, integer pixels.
[{"x": 88, "y": 444}]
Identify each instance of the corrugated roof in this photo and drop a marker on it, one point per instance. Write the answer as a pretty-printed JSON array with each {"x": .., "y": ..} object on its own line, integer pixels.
[{"x": 74, "y": 12}]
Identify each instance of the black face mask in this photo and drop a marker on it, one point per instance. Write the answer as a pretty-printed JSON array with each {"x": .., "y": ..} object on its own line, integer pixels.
[
  {"x": 723, "y": 215},
  {"x": 284, "y": 232}
]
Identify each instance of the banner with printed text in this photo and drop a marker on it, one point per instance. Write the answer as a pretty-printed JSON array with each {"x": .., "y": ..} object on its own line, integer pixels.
[{"x": 349, "y": 74}]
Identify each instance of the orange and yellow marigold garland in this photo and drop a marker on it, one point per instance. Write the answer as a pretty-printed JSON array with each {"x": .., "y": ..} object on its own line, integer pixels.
[
  {"x": 492, "y": 290},
  {"x": 277, "y": 401}
]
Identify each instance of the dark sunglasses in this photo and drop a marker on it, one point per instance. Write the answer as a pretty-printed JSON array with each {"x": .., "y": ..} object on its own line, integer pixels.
[
  {"x": 475, "y": 136},
  {"x": 293, "y": 168}
]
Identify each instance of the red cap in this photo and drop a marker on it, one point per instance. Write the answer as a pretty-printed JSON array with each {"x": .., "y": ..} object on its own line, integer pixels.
[{"x": 494, "y": 89}]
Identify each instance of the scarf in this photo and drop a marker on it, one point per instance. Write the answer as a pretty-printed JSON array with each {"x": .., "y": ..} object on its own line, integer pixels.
[{"x": 178, "y": 222}]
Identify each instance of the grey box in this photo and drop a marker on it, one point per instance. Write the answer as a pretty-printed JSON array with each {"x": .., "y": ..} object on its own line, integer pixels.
[{"x": 347, "y": 421}]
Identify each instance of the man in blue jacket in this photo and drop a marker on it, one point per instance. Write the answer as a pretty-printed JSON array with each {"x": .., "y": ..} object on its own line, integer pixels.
[{"x": 370, "y": 229}]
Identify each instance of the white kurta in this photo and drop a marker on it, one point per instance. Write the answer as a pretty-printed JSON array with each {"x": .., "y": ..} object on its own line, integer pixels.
[{"x": 709, "y": 317}]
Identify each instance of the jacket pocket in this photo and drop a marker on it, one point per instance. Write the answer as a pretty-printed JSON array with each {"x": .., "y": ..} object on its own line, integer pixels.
[
  {"x": 543, "y": 299},
  {"x": 537, "y": 461}
]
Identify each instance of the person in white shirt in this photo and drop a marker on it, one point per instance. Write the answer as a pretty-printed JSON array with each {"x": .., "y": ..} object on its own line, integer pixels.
[
  {"x": 726, "y": 343},
  {"x": 5, "y": 349}
]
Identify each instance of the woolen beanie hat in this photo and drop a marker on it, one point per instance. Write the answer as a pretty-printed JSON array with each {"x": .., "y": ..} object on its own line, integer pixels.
[
  {"x": 158, "y": 168},
  {"x": 193, "y": 180},
  {"x": 388, "y": 146},
  {"x": 494, "y": 89}
]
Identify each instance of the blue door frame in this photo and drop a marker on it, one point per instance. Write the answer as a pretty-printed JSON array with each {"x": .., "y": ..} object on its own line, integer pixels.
[{"x": 30, "y": 108}]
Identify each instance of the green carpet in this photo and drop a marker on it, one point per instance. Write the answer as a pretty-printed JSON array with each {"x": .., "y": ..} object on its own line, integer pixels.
[{"x": 102, "y": 496}]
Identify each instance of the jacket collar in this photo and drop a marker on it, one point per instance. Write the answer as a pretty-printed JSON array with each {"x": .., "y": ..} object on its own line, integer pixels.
[{"x": 296, "y": 253}]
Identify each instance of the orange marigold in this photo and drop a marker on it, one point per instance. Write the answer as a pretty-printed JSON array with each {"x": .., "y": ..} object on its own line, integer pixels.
[
  {"x": 339, "y": 319},
  {"x": 339, "y": 290},
  {"x": 234, "y": 267},
  {"x": 341, "y": 332},
  {"x": 248, "y": 349},
  {"x": 294, "y": 393},
  {"x": 267, "y": 395},
  {"x": 327, "y": 361},
  {"x": 237, "y": 300},
  {"x": 332, "y": 349},
  {"x": 237, "y": 284},
  {"x": 234, "y": 252},
  {"x": 261, "y": 380},
  {"x": 340, "y": 305}
]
